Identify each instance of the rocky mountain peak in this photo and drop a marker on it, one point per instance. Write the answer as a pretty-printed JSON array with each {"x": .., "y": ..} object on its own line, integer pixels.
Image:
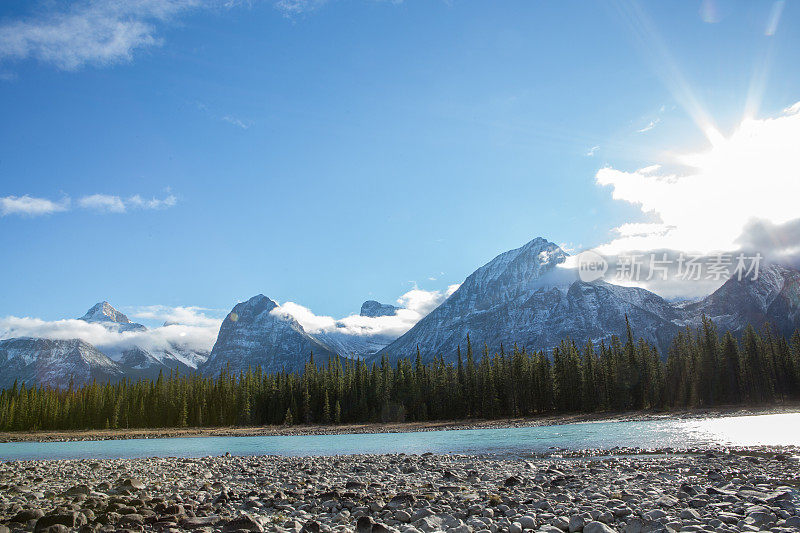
[
  {"x": 252, "y": 335},
  {"x": 104, "y": 312},
  {"x": 374, "y": 309},
  {"x": 510, "y": 275},
  {"x": 251, "y": 309}
]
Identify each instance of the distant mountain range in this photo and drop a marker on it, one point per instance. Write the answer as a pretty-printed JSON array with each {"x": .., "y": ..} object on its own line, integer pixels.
[
  {"x": 58, "y": 362},
  {"x": 520, "y": 297}
]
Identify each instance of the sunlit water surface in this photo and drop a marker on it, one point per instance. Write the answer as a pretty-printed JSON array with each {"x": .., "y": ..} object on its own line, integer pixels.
[{"x": 778, "y": 429}]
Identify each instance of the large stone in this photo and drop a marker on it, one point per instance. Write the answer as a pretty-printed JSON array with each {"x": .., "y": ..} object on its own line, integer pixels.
[
  {"x": 200, "y": 521},
  {"x": 689, "y": 514},
  {"x": 419, "y": 514},
  {"x": 27, "y": 515},
  {"x": 793, "y": 521},
  {"x": 634, "y": 526},
  {"x": 72, "y": 519},
  {"x": 401, "y": 501},
  {"x": 667, "y": 501},
  {"x": 364, "y": 524},
  {"x": 597, "y": 527},
  {"x": 243, "y": 522},
  {"x": 576, "y": 523},
  {"x": 654, "y": 515},
  {"x": 133, "y": 519},
  {"x": 78, "y": 490},
  {"x": 132, "y": 484}
]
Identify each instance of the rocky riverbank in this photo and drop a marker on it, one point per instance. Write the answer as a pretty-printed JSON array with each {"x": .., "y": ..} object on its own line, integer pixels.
[{"x": 713, "y": 491}]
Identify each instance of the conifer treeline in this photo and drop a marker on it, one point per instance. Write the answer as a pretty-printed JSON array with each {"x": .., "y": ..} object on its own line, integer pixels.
[{"x": 701, "y": 369}]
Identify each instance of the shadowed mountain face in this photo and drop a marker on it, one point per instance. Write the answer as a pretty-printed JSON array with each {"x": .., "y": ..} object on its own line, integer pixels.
[
  {"x": 373, "y": 309},
  {"x": 773, "y": 297},
  {"x": 54, "y": 362},
  {"x": 253, "y": 335}
]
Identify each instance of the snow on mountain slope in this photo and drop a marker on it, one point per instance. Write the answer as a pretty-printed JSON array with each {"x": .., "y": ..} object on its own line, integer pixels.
[
  {"x": 105, "y": 314},
  {"x": 54, "y": 362},
  {"x": 353, "y": 346},
  {"x": 522, "y": 297},
  {"x": 773, "y": 297},
  {"x": 138, "y": 353}
]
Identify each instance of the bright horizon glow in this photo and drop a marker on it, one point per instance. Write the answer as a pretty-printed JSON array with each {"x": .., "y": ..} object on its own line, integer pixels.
[{"x": 752, "y": 174}]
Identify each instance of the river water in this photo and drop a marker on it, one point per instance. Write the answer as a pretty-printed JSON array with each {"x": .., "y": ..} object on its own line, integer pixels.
[{"x": 775, "y": 429}]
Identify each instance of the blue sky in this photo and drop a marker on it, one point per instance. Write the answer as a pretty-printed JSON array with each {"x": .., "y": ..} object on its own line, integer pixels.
[{"x": 333, "y": 152}]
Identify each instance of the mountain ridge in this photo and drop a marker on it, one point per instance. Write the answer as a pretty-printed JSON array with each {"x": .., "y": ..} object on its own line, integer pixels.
[{"x": 521, "y": 297}]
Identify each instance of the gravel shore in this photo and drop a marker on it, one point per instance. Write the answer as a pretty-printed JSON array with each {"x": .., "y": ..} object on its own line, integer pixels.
[{"x": 712, "y": 491}]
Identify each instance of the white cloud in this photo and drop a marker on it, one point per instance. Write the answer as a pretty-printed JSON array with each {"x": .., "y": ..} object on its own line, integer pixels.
[
  {"x": 236, "y": 122},
  {"x": 31, "y": 206},
  {"x": 153, "y": 203},
  {"x": 187, "y": 316},
  {"x": 652, "y": 124},
  {"x": 107, "y": 203},
  {"x": 98, "y": 32},
  {"x": 103, "y": 202},
  {"x": 753, "y": 174},
  {"x": 105, "y": 32},
  {"x": 194, "y": 336},
  {"x": 593, "y": 150},
  {"x": 295, "y": 7},
  {"x": 414, "y": 305},
  {"x": 27, "y": 205}
]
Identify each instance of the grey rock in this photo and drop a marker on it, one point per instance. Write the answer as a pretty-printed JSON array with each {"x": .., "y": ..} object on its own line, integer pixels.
[
  {"x": 689, "y": 514},
  {"x": 242, "y": 523},
  {"x": 199, "y": 522},
  {"x": 597, "y": 527}
]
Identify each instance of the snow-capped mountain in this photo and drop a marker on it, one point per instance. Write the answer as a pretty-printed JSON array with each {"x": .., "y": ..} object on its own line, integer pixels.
[
  {"x": 353, "y": 346},
  {"x": 54, "y": 362},
  {"x": 255, "y": 334},
  {"x": 128, "y": 354},
  {"x": 105, "y": 314},
  {"x": 522, "y": 297},
  {"x": 774, "y": 297},
  {"x": 141, "y": 359}
]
